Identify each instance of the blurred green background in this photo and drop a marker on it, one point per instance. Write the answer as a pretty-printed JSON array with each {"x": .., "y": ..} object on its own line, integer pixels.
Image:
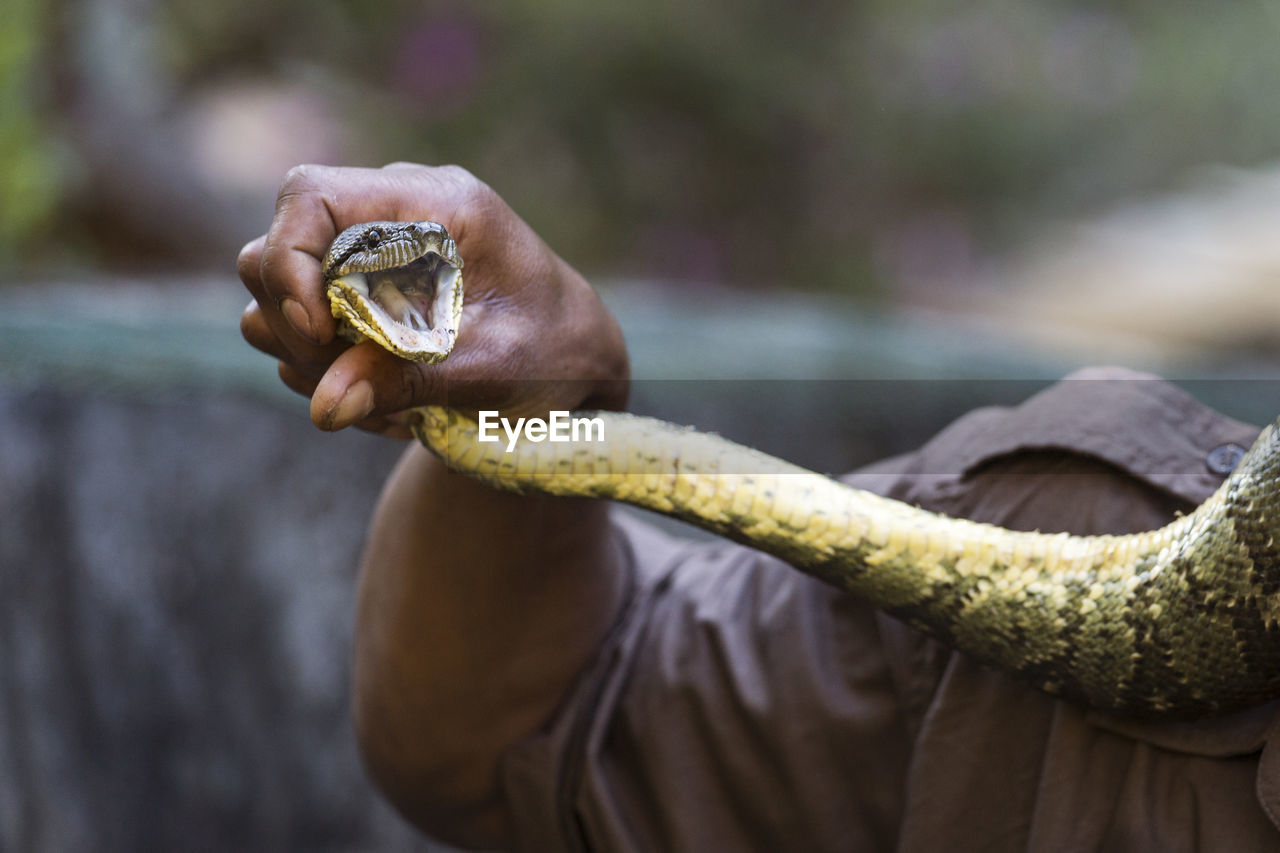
[{"x": 819, "y": 146}]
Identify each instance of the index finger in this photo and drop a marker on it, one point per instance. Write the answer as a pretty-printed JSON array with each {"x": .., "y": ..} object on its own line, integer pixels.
[{"x": 301, "y": 230}]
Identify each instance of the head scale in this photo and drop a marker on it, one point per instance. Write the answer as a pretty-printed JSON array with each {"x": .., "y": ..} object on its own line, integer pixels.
[{"x": 374, "y": 246}]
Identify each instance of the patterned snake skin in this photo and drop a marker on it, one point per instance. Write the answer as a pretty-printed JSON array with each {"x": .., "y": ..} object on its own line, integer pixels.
[{"x": 1178, "y": 622}]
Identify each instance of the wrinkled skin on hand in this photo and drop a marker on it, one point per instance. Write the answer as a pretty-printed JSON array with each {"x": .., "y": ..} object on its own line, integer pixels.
[{"x": 534, "y": 334}]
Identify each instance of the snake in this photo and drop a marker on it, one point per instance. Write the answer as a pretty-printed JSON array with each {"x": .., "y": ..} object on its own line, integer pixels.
[{"x": 1182, "y": 622}]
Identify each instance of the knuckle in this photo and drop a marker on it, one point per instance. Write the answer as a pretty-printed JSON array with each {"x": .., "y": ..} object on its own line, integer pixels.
[
  {"x": 256, "y": 332},
  {"x": 299, "y": 178},
  {"x": 478, "y": 212},
  {"x": 458, "y": 174},
  {"x": 249, "y": 321},
  {"x": 470, "y": 190},
  {"x": 303, "y": 181},
  {"x": 249, "y": 262}
]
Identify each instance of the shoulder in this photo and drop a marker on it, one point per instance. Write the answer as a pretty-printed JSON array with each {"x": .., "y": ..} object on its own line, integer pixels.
[{"x": 1098, "y": 432}]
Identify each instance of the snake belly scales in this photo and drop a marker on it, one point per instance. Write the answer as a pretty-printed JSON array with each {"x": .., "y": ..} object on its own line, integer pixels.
[{"x": 1180, "y": 622}]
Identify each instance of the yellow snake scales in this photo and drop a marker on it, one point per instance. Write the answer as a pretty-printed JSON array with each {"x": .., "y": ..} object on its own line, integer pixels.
[{"x": 1178, "y": 622}]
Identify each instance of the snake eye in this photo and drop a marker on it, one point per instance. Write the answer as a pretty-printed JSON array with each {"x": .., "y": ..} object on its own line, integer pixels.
[{"x": 372, "y": 238}]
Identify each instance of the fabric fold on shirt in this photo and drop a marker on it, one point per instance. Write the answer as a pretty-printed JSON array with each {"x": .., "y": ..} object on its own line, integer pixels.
[{"x": 741, "y": 705}]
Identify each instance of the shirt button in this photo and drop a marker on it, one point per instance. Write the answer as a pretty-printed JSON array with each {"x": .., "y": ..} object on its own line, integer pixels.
[{"x": 1224, "y": 458}]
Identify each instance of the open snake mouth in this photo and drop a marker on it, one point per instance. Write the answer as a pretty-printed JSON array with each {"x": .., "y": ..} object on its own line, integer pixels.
[
  {"x": 399, "y": 283},
  {"x": 408, "y": 296}
]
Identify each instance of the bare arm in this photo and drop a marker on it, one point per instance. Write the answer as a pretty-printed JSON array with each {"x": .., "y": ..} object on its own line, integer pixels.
[{"x": 476, "y": 608}]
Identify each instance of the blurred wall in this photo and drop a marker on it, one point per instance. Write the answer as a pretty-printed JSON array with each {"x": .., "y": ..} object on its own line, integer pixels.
[{"x": 175, "y": 628}]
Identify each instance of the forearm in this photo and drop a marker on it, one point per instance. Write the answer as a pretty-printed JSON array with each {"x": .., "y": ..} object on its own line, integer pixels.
[{"x": 476, "y": 610}]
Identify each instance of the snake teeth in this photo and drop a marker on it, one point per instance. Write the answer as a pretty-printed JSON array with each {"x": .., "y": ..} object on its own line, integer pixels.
[
  {"x": 400, "y": 304},
  {"x": 414, "y": 319},
  {"x": 398, "y": 284},
  {"x": 356, "y": 282}
]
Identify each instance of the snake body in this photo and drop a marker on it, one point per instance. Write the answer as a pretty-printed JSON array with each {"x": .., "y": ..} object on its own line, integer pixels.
[{"x": 1179, "y": 622}]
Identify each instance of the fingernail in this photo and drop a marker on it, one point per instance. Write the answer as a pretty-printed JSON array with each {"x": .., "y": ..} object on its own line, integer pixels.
[
  {"x": 297, "y": 317},
  {"x": 355, "y": 405}
]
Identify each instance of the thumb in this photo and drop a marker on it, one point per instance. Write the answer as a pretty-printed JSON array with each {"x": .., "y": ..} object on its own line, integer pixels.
[{"x": 366, "y": 380}]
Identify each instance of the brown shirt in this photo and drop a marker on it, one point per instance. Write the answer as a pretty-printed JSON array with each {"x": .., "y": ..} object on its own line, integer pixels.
[{"x": 739, "y": 705}]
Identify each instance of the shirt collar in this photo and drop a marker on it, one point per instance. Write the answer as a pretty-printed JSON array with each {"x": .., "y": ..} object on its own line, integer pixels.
[{"x": 1182, "y": 447}]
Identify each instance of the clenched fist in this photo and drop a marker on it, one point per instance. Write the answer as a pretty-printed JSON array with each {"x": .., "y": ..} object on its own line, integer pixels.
[{"x": 534, "y": 334}]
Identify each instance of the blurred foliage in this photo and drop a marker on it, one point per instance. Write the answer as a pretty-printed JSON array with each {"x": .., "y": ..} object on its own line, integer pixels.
[
  {"x": 823, "y": 144},
  {"x": 29, "y": 180}
]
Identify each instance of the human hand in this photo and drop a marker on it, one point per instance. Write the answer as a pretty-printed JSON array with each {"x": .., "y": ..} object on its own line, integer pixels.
[{"x": 534, "y": 335}]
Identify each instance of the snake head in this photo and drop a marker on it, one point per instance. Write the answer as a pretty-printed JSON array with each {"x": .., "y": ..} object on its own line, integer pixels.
[{"x": 397, "y": 283}]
